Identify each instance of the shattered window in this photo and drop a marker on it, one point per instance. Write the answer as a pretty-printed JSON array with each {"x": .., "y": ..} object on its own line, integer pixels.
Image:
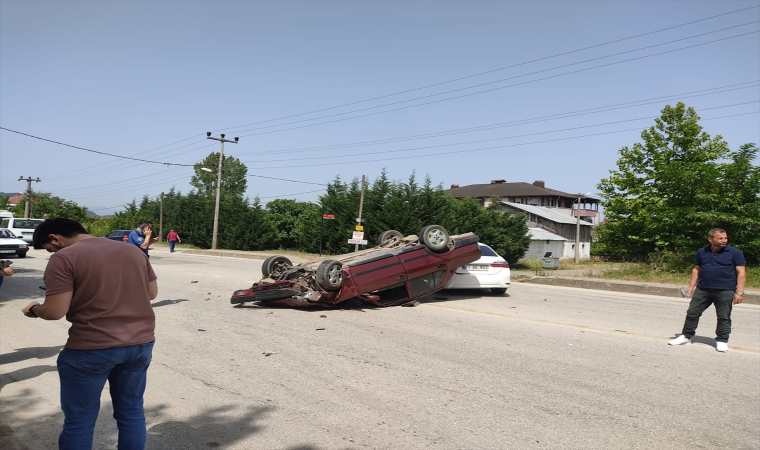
[{"x": 426, "y": 283}]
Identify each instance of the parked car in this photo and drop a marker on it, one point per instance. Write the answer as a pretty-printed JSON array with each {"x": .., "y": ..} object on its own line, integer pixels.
[
  {"x": 10, "y": 244},
  {"x": 22, "y": 228},
  {"x": 397, "y": 272},
  {"x": 118, "y": 235},
  {"x": 491, "y": 271}
]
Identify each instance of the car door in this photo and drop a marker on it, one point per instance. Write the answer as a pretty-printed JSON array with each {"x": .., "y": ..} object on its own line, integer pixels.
[{"x": 425, "y": 270}]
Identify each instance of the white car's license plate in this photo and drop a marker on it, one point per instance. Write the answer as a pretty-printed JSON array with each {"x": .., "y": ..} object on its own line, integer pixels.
[
  {"x": 478, "y": 267},
  {"x": 7, "y": 251}
]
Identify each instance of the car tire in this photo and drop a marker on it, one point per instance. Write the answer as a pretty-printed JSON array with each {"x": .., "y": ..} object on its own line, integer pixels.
[
  {"x": 274, "y": 266},
  {"x": 435, "y": 237},
  {"x": 386, "y": 236},
  {"x": 499, "y": 291},
  {"x": 21, "y": 254},
  {"x": 330, "y": 275}
]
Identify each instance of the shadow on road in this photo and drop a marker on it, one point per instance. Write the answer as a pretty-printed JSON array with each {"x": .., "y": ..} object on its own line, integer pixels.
[
  {"x": 217, "y": 427},
  {"x": 26, "y": 373},
  {"x": 22, "y": 354},
  {"x": 25, "y": 283},
  {"x": 168, "y": 302}
]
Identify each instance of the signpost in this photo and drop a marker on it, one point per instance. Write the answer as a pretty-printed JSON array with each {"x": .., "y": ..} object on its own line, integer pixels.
[{"x": 321, "y": 225}]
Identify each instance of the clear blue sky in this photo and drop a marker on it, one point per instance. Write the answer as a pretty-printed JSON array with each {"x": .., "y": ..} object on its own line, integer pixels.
[{"x": 129, "y": 77}]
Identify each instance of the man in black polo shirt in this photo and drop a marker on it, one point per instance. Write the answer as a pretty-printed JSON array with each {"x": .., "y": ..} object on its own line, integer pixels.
[{"x": 717, "y": 278}]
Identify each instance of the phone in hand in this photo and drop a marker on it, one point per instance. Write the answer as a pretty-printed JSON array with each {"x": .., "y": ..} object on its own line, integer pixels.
[{"x": 5, "y": 263}]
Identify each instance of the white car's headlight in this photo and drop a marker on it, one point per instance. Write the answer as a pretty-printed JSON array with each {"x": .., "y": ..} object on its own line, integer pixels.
[{"x": 22, "y": 246}]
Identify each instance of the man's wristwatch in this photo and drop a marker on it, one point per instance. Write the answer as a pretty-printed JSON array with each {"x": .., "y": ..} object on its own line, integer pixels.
[
  {"x": 31, "y": 310},
  {"x": 739, "y": 293}
]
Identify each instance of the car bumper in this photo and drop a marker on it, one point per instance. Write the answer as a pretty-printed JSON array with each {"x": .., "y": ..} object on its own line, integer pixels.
[{"x": 485, "y": 281}]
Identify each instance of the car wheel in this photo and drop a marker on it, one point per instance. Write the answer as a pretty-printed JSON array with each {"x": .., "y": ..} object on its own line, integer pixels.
[
  {"x": 435, "y": 237},
  {"x": 330, "y": 275},
  {"x": 21, "y": 254},
  {"x": 499, "y": 291},
  {"x": 389, "y": 235},
  {"x": 274, "y": 266}
]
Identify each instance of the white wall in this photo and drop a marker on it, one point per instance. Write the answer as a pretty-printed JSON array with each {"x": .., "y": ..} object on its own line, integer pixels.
[{"x": 538, "y": 249}]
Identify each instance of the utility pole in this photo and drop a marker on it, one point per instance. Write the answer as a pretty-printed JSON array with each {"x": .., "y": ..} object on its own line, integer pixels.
[
  {"x": 28, "y": 202},
  {"x": 218, "y": 184},
  {"x": 361, "y": 205},
  {"x": 578, "y": 231},
  {"x": 161, "y": 218}
]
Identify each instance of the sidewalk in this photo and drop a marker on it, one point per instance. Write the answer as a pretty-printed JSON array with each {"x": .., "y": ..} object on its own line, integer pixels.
[
  {"x": 574, "y": 278},
  {"x": 568, "y": 278}
]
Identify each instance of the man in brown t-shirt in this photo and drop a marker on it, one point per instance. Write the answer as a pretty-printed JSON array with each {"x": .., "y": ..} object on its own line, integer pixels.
[{"x": 104, "y": 289}]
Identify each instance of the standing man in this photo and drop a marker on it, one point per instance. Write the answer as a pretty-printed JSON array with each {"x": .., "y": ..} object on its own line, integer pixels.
[
  {"x": 104, "y": 289},
  {"x": 173, "y": 238},
  {"x": 717, "y": 278},
  {"x": 140, "y": 236}
]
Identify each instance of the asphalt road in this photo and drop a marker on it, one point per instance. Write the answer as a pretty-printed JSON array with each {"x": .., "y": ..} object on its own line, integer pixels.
[{"x": 543, "y": 367}]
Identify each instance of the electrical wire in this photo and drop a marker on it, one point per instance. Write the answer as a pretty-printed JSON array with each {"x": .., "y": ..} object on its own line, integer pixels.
[
  {"x": 499, "y": 69},
  {"x": 93, "y": 151},
  {"x": 481, "y": 149},
  {"x": 502, "y": 80},
  {"x": 486, "y": 72},
  {"x": 283, "y": 179},
  {"x": 557, "y": 116},
  {"x": 352, "y": 155}
]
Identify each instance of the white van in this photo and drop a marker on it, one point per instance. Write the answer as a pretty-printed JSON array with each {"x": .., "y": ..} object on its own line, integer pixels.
[{"x": 22, "y": 228}]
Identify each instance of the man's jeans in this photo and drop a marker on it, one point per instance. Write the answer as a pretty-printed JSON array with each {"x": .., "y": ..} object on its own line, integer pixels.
[
  {"x": 701, "y": 299},
  {"x": 171, "y": 245},
  {"x": 83, "y": 373}
]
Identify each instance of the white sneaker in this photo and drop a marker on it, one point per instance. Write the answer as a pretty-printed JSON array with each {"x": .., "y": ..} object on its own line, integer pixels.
[
  {"x": 680, "y": 340},
  {"x": 721, "y": 346}
]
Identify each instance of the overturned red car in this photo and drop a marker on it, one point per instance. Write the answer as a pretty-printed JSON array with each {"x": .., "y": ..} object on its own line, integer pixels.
[{"x": 397, "y": 272}]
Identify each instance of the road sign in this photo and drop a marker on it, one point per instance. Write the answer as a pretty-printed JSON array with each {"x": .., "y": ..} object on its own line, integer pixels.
[
  {"x": 358, "y": 235},
  {"x": 359, "y": 228},
  {"x": 328, "y": 216},
  {"x": 357, "y": 241}
]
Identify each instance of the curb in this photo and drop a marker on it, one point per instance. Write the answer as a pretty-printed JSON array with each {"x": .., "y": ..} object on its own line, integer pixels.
[{"x": 666, "y": 290}]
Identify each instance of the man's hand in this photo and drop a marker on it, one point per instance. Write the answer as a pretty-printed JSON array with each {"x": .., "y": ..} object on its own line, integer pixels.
[
  {"x": 26, "y": 309},
  {"x": 6, "y": 271},
  {"x": 738, "y": 299}
]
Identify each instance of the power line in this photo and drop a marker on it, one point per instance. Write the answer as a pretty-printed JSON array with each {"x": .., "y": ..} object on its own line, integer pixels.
[
  {"x": 502, "y": 87},
  {"x": 283, "y": 179},
  {"x": 499, "y": 69},
  {"x": 557, "y": 116},
  {"x": 491, "y": 139},
  {"x": 489, "y": 71},
  {"x": 483, "y": 149},
  {"x": 288, "y": 195},
  {"x": 94, "y": 151}
]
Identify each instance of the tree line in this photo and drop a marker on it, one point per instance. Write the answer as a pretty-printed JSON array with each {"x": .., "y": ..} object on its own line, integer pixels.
[{"x": 665, "y": 194}]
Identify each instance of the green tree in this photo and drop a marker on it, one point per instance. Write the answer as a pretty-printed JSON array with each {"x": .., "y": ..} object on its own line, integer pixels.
[
  {"x": 672, "y": 187},
  {"x": 45, "y": 204},
  {"x": 233, "y": 176}
]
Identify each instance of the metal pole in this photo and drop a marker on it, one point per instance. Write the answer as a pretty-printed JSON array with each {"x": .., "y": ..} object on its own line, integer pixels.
[
  {"x": 161, "y": 218},
  {"x": 218, "y": 196},
  {"x": 28, "y": 199},
  {"x": 218, "y": 185},
  {"x": 321, "y": 226},
  {"x": 361, "y": 205},
  {"x": 578, "y": 231}
]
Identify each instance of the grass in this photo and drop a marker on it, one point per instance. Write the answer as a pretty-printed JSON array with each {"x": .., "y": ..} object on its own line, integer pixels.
[{"x": 625, "y": 271}]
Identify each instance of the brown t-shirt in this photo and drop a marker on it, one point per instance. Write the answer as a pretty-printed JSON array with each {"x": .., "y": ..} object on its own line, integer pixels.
[{"x": 110, "y": 306}]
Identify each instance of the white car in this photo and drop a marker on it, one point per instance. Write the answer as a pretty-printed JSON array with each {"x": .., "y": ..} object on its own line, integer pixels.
[
  {"x": 491, "y": 271},
  {"x": 10, "y": 244},
  {"x": 22, "y": 228}
]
